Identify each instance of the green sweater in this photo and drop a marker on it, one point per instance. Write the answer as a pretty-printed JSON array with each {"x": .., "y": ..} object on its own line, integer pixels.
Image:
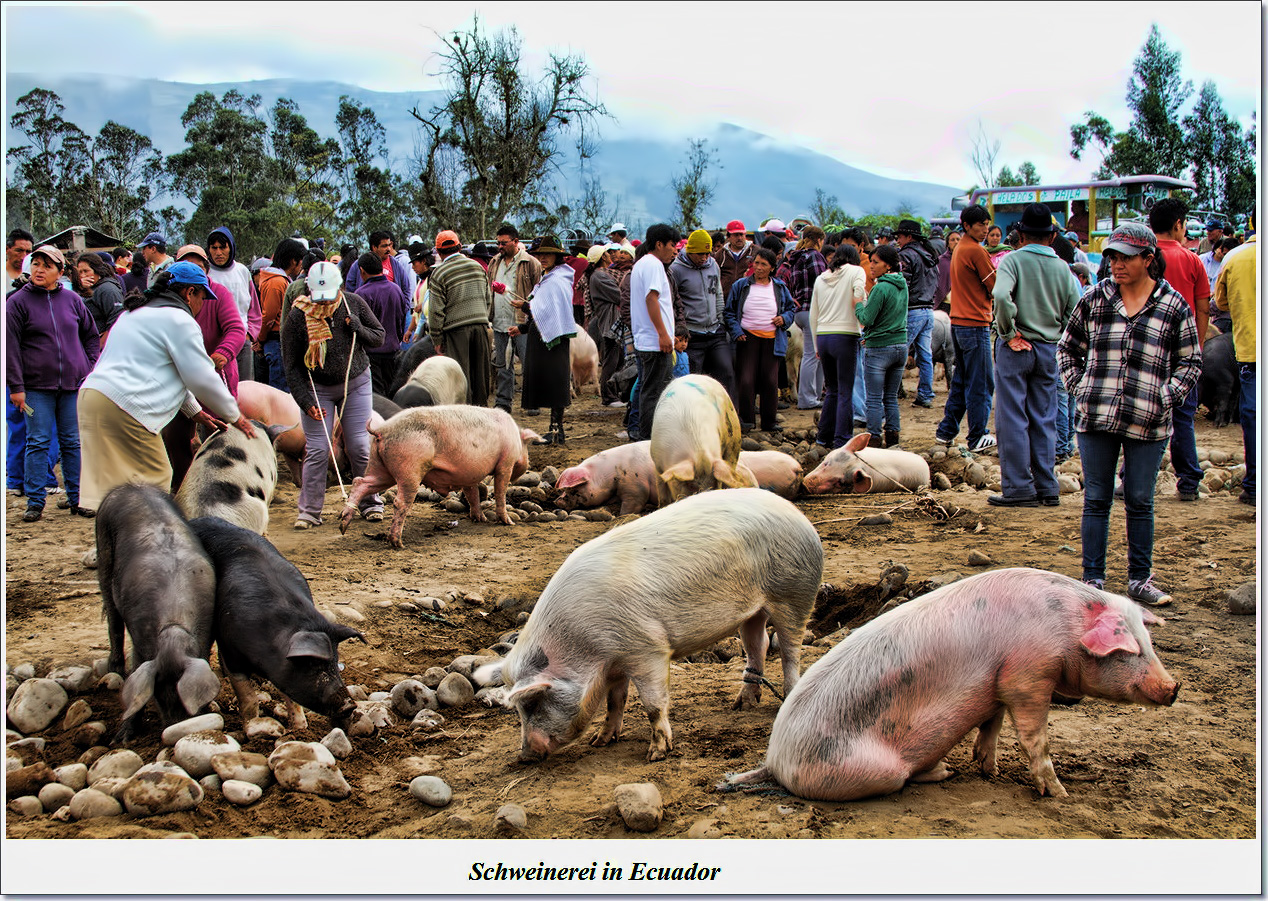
[
  {"x": 883, "y": 314},
  {"x": 1034, "y": 294},
  {"x": 458, "y": 291}
]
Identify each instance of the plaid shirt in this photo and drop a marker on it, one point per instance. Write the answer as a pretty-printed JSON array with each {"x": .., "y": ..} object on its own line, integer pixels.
[
  {"x": 1128, "y": 374},
  {"x": 804, "y": 266}
]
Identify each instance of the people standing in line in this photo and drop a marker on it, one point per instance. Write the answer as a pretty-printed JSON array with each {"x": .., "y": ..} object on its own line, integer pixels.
[
  {"x": 51, "y": 346},
  {"x": 287, "y": 263},
  {"x": 391, "y": 308},
  {"x": 759, "y": 311},
  {"x": 698, "y": 279},
  {"x": 806, "y": 264},
  {"x": 548, "y": 330},
  {"x": 1130, "y": 356},
  {"x": 735, "y": 256},
  {"x": 518, "y": 272},
  {"x": 1236, "y": 292},
  {"x": 458, "y": 315},
  {"x": 836, "y": 331},
  {"x": 324, "y": 342},
  {"x": 99, "y": 286},
  {"x": 227, "y": 271},
  {"x": 972, "y": 310},
  {"x": 1034, "y": 295},
  {"x": 919, "y": 262},
  {"x": 652, "y": 321},
  {"x": 883, "y": 315},
  {"x": 154, "y": 251}
]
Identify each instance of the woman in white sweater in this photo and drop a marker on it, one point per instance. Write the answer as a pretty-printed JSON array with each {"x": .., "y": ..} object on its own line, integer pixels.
[
  {"x": 155, "y": 367},
  {"x": 836, "y": 339}
]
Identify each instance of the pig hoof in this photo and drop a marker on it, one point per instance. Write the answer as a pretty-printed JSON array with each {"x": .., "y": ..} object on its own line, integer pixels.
[
  {"x": 1052, "y": 788},
  {"x": 747, "y": 700},
  {"x": 939, "y": 773},
  {"x": 654, "y": 753}
]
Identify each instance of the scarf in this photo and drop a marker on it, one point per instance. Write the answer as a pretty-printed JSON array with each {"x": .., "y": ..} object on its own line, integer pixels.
[{"x": 315, "y": 317}]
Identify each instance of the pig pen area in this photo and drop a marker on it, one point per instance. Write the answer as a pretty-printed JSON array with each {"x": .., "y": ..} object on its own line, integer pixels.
[{"x": 1182, "y": 772}]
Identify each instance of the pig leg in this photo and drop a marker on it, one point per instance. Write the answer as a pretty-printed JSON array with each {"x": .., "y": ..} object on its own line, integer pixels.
[
  {"x": 789, "y": 652},
  {"x": 753, "y": 635},
  {"x": 115, "y": 627},
  {"x": 984, "y": 746},
  {"x": 372, "y": 482},
  {"x": 652, "y": 682},
  {"x": 248, "y": 699},
  {"x": 501, "y": 479},
  {"x": 472, "y": 494},
  {"x": 939, "y": 772},
  {"x": 295, "y": 715},
  {"x": 1030, "y": 719},
  {"x": 618, "y": 692},
  {"x": 406, "y": 493}
]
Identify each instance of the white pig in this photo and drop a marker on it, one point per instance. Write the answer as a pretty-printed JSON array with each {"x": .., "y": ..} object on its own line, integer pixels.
[
  {"x": 696, "y": 439},
  {"x": 583, "y": 355},
  {"x": 774, "y": 471},
  {"x": 436, "y": 382},
  {"x": 622, "y": 606},
  {"x": 625, "y": 472},
  {"x": 884, "y": 706},
  {"x": 859, "y": 469}
]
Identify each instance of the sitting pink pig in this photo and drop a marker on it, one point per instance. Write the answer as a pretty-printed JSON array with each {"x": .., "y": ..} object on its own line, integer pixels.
[
  {"x": 624, "y": 472},
  {"x": 444, "y": 448},
  {"x": 860, "y": 469},
  {"x": 884, "y": 706}
]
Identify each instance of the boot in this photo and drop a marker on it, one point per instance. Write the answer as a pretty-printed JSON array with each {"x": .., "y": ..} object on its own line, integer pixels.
[
  {"x": 874, "y": 441},
  {"x": 891, "y": 438},
  {"x": 556, "y": 433}
]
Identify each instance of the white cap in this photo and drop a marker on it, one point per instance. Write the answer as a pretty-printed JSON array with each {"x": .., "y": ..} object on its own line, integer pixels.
[
  {"x": 775, "y": 225},
  {"x": 618, "y": 227},
  {"x": 415, "y": 239},
  {"x": 324, "y": 280}
]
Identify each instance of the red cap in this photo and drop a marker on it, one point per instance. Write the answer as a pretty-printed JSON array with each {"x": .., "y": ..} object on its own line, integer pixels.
[
  {"x": 447, "y": 239},
  {"x": 735, "y": 225}
]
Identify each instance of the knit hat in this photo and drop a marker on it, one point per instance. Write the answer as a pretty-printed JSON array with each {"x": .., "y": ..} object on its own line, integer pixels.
[
  {"x": 447, "y": 240},
  {"x": 699, "y": 242},
  {"x": 734, "y": 226},
  {"x": 1132, "y": 238},
  {"x": 908, "y": 227}
]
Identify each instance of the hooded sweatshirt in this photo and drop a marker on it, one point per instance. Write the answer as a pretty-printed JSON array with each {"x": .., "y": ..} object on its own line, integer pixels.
[
  {"x": 700, "y": 291},
  {"x": 237, "y": 278},
  {"x": 884, "y": 313},
  {"x": 832, "y": 302},
  {"x": 920, "y": 269}
]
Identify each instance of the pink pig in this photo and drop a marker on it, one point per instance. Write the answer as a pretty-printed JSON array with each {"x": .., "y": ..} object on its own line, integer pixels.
[
  {"x": 443, "y": 448},
  {"x": 266, "y": 404},
  {"x": 774, "y": 470},
  {"x": 884, "y": 706},
  {"x": 624, "y": 472},
  {"x": 859, "y": 469}
]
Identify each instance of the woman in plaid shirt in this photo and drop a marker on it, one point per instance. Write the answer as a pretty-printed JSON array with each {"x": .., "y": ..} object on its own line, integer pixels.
[{"x": 1129, "y": 355}]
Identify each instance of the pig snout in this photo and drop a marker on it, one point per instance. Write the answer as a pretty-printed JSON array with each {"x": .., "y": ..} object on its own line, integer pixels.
[
  {"x": 1160, "y": 690},
  {"x": 537, "y": 747}
]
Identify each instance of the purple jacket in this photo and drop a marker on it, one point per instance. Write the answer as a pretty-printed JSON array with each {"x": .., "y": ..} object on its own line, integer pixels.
[
  {"x": 52, "y": 342},
  {"x": 391, "y": 308},
  {"x": 354, "y": 283},
  {"x": 223, "y": 332}
]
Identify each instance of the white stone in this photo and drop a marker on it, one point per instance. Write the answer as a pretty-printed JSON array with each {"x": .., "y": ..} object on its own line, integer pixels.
[
  {"x": 10, "y": 686},
  {"x": 640, "y": 806},
  {"x": 510, "y": 816},
  {"x": 194, "y": 752},
  {"x": 101, "y": 666},
  {"x": 78, "y": 713},
  {"x": 162, "y": 766},
  {"x": 410, "y": 696},
  {"x": 23, "y": 671},
  {"x": 208, "y": 721},
  {"x": 26, "y": 806},
  {"x": 73, "y": 775},
  {"x": 149, "y": 794},
  {"x": 455, "y": 690},
  {"x": 308, "y": 767},
  {"x": 12, "y": 761},
  {"x": 243, "y": 766},
  {"x": 434, "y": 676},
  {"x": 29, "y": 748},
  {"x": 358, "y": 693},
  {"x": 111, "y": 785},
  {"x": 73, "y": 678},
  {"x": 89, "y": 803},
  {"x": 55, "y": 796},
  {"x": 211, "y": 783},
  {"x": 431, "y": 790},
  {"x": 1068, "y": 484},
  {"x": 369, "y": 717},
  {"x": 241, "y": 793},
  {"x": 35, "y": 704},
  {"x": 63, "y": 814},
  {"x": 120, "y": 764},
  {"x": 380, "y": 696},
  {"x": 302, "y": 751},
  {"x": 428, "y": 721},
  {"x": 337, "y": 743},
  {"x": 111, "y": 682},
  {"x": 263, "y": 727}
]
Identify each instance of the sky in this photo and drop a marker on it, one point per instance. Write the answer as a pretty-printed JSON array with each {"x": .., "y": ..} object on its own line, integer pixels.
[{"x": 887, "y": 91}]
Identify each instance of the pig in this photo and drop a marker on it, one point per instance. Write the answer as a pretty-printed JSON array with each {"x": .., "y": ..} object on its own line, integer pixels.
[
  {"x": 792, "y": 360},
  {"x": 340, "y": 459},
  {"x": 696, "y": 440},
  {"x": 158, "y": 583},
  {"x": 444, "y": 448},
  {"x": 385, "y": 406},
  {"x": 884, "y": 706},
  {"x": 774, "y": 471},
  {"x": 408, "y": 360},
  {"x": 233, "y": 477},
  {"x": 583, "y": 355},
  {"x": 1220, "y": 384},
  {"x": 625, "y": 472},
  {"x": 266, "y": 624},
  {"x": 264, "y": 403},
  {"x": 859, "y": 469},
  {"x": 438, "y": 381},
  {"x": 668, "y": 585},
  {"x": 943, "y": 346}
]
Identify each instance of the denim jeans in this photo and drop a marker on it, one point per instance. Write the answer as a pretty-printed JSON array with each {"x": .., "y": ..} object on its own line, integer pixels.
[
  {"x": 56, "y": 412},
  {"x": 1248, "y": 425},
  {"x": 1065, "y": 421},
  {"x": 15, "y": 451},
  {"x": 810, "y": 377},
  {"x": 972, "y": 383},
  {"x": 505, "y": 350},
  {"x": 1099, "y": 452},
  {"x": 920, "y": 345},
  {"x": 883, "y": 368},
  {"x": 860, "y": 387},
  {"x": 1025, "y": 419},
  {"x": 1184, "y": 444},
  {"x": 631, "y": 409},
  {"x": 838, "y": 354},
  {"x": 276, "y": 375},
  {"x": 656, "y": 370},
  {"x": 713, "y": 355}
]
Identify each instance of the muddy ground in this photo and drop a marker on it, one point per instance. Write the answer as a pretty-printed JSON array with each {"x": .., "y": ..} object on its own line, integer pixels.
[{"x": 1184, "y": 772}]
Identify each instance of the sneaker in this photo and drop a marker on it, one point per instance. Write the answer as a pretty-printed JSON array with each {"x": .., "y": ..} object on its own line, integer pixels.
[
  {"x": 617, "y": 403},
  {"x": 922, "y": 403},
  {"x": 303, "y": 524},
  {"x": 1098, "y": 584},
  {"x": 1050, "y": 500},
  {"x": 1001, "y": 500},
  {"x": 983, "y": 444},
  {"x": 1144, "y": 591},
  {"x": 16, "y": 492},
  {"x": 63, "y": 502},
  {"x": 372, "y": 515},
  {"x": 1187, "y": 496},
  {"x": 622, "y": 434},
  {"x": 942, "y": 442},
  {"x": 76, "y": 510}
]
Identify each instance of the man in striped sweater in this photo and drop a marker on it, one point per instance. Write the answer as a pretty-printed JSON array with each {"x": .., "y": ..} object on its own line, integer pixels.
[{"x": 458, "y": 315}]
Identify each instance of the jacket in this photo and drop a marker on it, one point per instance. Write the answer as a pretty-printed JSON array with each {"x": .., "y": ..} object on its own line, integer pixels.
[
  {"x": 884, "y": 313},
  {"x": 733, "y": 266},
  {"x": 223, "y": 332},
  {"x": 528, "y": 272},
  {"x": 404, "y": 277},
  {"x": 833, "y": 299},
  {"x": 700, "y": 290},
  {"x": 390, "y": 307},
  {"x": 920, "y": 269},
  {"x": 804, "y": 267},
  {"x": 52, "y": 342},
  {"x": 458, "y": 288},
  {"x": 734, "y": 311},
  {"x": 368, "y": 331},
  {"x": 605, "y": 304},
  {"x": 273, "y": 285},
  {"x": 105, "y": 304}
]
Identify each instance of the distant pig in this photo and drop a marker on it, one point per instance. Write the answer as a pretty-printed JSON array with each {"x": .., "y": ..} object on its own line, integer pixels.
[
  {"x": 583, "y": 356},
  {"x": 436, "y": 382},
  {"x": 1220, "y": 382},
  {"x": 233, "y": 477},
  {"x": 774, "y": 471},
  {"x": 264, "y": 403},
  {"x": 625, "y": 472},
  {"x": 884, "y": 706},
  {"x": 622, "y": 606},
  {"x": 157, "y": 582},
  {"x": 444, "y": 448},
  {"x": 266, "y": 624},
  {"x": 696, "y": 439},
  {"x": 859, "y": 469}
]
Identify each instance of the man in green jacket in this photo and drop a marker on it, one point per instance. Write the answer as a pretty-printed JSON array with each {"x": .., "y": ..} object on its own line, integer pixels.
[{"x": 458, "y": 315}]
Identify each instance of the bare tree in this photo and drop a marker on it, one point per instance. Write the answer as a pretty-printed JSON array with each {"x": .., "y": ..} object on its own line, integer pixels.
[
  {"x": 983, "y": 155},
  {"x": 693, "y": 189}
]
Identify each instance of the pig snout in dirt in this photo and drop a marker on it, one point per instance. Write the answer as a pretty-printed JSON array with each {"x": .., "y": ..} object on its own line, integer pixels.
[
  {"x": 696, "y": 440},
  {"x": 726, "y": 560},
  {"x": 267, "y": 625},
  {"x": 903, "y": 690},
  {"x": 157, "y": 583},
  {"x": 859, "y": 469},
  {"x": 624, "y": 472}
]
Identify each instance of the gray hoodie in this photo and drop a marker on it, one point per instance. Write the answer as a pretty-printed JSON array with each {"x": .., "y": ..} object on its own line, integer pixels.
[{"x": 700, "y": 291}]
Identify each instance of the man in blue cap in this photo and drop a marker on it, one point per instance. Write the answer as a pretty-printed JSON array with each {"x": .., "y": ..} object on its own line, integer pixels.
[
  {"x": 154, "y": 249},
  {"x": 1214, "y": 235}
]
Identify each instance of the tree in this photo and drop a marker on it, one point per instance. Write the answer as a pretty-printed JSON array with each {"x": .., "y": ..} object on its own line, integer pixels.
[
  {"x": 826, "y": 209},
  {"x": 55, "y": 147},
  {"x": 693, "y": 188},
  {"x": 495, "y": 139},
  {"x": 124, "y": 175},
  {"x": 1094, "y": 130},
  {"x": 1026, "y": 175},
  {"x": 983, "y": 154},
  {"x": 370, "y": 190},
  {"x": 305, "y": 171}
]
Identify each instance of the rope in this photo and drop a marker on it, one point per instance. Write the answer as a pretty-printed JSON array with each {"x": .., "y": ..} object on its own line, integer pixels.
[{"x": 347, "y": 375}]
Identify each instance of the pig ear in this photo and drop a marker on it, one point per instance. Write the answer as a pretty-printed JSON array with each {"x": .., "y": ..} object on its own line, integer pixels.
[
  {"x": 862, "y": 482},
  {"x": 339, "y": 632},
  {"x": 198, "y": 687},
  {"x": 858, "y": 442},
  {"x": 274, "y": 431},
  {"x": 681, "y": 472},
  {"x": 528, "y": 436},
  {"x": 571, "y": 477},
  {"x": 737, "y": 476},
  {"x": 523, "y": 694},
  {"x": 138, "y": 690},
  {"x": 311, "y": 644},
  {"x": 1109, "y": 633}
]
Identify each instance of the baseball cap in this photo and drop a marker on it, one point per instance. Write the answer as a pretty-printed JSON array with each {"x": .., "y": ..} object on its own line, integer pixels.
[
  {"x": 775, "y": 225},
  {"x": 191, "y": 249},
  {"x": 1132, "y": 238},
  {"x": 260, "y": 264},
  {"x": 446, "y": 239},
  {"x": 617, "y": 227},
  {"x": 186, "y": 274},
  {"x": 51, "y": 253},
  {"x": 735, "y": 225},
  {"x": 324, "y": 280},
  {"x": 1213, "y": 224},
  {"x": 154, "y": 239}
]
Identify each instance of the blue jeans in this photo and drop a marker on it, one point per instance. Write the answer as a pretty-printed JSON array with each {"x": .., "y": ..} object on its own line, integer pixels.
[
  {"x": 1184, "y": 444},
  {"x": 1099, "y": 452},
  {"x": 972, "y": 383},
  {"x": 883, "y": 368},
  {"x": 15, "y": 450},
  {"x": 1025, "y": 419},
  {"x": 1248, "y": 425},
  {"x": 860, "y": 387},
  {"x": 273, "y": 359},
  {"x": 810, "y": 378},
  {"x": 55, "y": 412},
  {"x": 838, "y": 354},
  {"x": 1065, "y": 421},
  {"x": 920, "y": 345},
  {"x": 631, "y": 409}
]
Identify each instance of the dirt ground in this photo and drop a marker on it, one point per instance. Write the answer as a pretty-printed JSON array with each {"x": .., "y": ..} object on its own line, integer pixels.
[{"x": 1182, "y": 772}]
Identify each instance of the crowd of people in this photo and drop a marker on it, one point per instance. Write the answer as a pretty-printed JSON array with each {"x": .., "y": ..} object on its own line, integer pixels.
[{"x": 116, "y": 358}]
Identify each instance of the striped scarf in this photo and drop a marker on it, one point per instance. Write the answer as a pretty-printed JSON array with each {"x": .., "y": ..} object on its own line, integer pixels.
[{"x": 315, "y": 317}]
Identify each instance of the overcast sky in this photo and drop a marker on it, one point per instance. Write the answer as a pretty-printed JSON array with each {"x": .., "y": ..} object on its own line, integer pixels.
[{"x": 885, "y": 88}]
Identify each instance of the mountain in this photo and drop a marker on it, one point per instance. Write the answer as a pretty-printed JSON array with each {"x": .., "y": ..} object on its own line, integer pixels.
[{"x": 760, "y": 175}]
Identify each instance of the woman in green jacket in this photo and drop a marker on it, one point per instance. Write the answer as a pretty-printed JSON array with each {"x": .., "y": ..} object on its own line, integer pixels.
[{"x": 883, "y": 316}]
